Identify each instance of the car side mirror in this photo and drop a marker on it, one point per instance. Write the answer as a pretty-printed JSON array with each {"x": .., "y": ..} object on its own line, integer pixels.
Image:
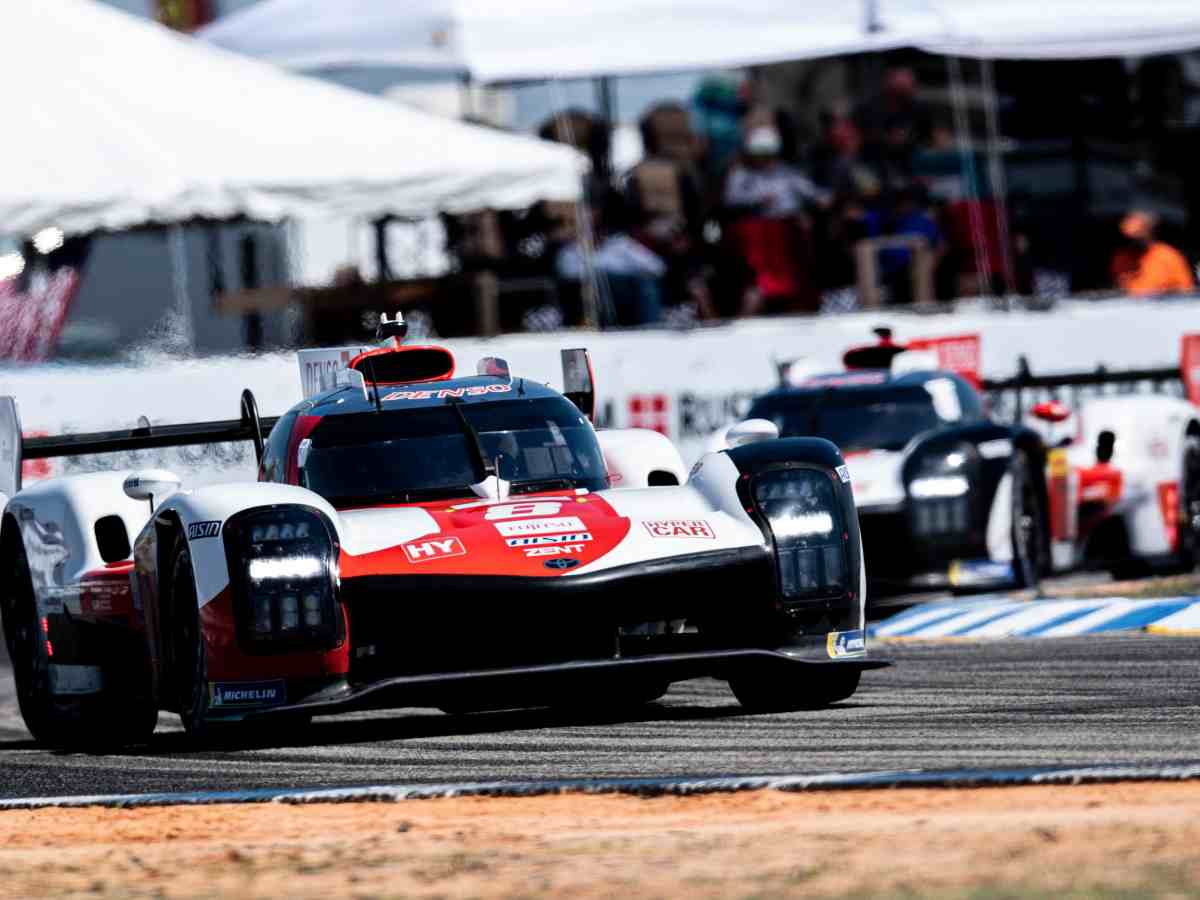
[
  {"x": 1105, "y": 444},
  {"x": 751, "y": 431},
  {"x": 151, "y": 485},
  {"x": 1051, "y": 411}
]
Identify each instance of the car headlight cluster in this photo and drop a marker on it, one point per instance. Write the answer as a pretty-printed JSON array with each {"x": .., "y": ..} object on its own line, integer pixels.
[
  {"x": 801, "y": 507},
  {"x": 283, "y": 568},
  {"x": 940, "y": 488}
]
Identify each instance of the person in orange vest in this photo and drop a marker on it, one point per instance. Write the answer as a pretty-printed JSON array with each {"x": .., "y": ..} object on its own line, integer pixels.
[{"x": 1145, "y": 267}]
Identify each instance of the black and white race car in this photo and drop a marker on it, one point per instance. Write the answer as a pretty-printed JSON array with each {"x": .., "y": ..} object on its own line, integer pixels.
[{"x": 946, "y": 496}]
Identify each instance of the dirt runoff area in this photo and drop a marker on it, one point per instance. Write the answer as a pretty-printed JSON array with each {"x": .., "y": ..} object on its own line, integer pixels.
[{"x": 1128, "y": 840}]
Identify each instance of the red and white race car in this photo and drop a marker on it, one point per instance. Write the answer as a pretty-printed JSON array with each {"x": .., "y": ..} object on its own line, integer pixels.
[
  {"x": 417, "y": 538},
  {"x": 1123, "y": 482}
]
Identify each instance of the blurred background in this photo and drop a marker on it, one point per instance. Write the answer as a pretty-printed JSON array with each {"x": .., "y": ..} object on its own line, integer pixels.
[{"x": 728, "y": 161}]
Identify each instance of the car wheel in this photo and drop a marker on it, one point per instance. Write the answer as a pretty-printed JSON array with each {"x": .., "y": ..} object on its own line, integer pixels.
[
  {"x": 191, "y": 672},
  {"x": 1189, "y": 499},
  {"x": 768, "y": 693},
  {"x": 89, "y": 722},
  {"x": 189, "y": 657},
  {"x": 1028, "y": 525}
]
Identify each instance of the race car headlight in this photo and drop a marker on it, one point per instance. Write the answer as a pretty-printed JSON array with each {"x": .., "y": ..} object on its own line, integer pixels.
[
  {"x": 283, "y": 571},
  {"x": 804, "y": 514},
  {"x": 940, "y": 488}
]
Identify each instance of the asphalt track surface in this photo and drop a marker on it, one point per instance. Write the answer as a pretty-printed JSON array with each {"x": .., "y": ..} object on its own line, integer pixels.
[{"x": 1095, "y": 700}]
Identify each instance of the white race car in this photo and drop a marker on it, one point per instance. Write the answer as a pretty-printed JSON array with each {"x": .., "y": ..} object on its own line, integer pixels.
[{"x": 417, "y": 538}]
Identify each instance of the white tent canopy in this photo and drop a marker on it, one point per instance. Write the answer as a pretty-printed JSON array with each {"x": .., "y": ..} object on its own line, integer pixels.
[
  {"x": 540, "y": 39},
  {"x": 113, "y": 121},
  {"x": 1064, "y": 29}
]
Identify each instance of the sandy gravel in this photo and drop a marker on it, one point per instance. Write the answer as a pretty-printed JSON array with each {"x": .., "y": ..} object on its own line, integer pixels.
[{"x": 1124, "y": 840}]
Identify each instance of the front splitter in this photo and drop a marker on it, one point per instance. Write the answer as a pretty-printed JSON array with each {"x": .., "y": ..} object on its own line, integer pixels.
[{"x": 428, "y": 690}]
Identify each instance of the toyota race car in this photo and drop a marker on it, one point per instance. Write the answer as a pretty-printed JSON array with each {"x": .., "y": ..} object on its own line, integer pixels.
[
  {"x": 420, "y": 539},
  {"x": 1124, "y": 483},
  {"x": 948, "y": 497}
]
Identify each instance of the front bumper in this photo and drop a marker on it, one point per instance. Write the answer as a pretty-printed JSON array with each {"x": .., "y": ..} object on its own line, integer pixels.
[
  {"x": 421, "y": 640},
  {"x": 416, "y": 625}
]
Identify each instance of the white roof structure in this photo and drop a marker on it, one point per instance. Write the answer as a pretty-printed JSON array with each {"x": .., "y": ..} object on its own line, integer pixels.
[
  {"x": 534, "y": 40},
  {"x": 544, "y": 39},
  {"x": 1063, "y": 29},
  {"x": 114, "y": 121}
]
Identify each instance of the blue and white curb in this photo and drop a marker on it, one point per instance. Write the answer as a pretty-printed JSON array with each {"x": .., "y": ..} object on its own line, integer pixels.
[
  {"x": 1001, "y": 616},
  {"x": 642, "y": 787}
]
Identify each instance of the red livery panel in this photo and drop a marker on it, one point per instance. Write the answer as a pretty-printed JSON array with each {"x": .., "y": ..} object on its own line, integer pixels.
[{"x": 506, "y": 537}]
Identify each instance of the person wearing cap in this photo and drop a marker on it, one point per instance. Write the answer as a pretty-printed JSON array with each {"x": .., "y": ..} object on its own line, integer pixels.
[
  {"x": 765, "y": 202},
  {"x": 1144, "y": 267},
  {"x": 762, "y": 184}
]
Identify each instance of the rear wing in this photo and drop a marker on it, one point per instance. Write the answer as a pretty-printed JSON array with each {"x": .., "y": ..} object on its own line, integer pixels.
[
  {"x": 15, "y": 449},
  {"x": 1013, "y": 398}
]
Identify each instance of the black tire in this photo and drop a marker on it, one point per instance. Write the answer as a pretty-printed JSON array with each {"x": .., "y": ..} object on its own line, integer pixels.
[
  {"x": 1030, "y": 545},
  {"x": 88, "y": 722},
  {"x": 190, "y": 672},
  {"x": 761, "y": 693},
  {"x": 1189, "y": 500}
]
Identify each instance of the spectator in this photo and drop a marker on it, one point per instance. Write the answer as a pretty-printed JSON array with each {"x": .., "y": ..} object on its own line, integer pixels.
[
  {"x": 665, "y": 199},
  {"x": 1145, "y": 267},
  {"x": 631, "y": 271},
  {"x": 766, "y": 201},
  {"x": 895, "y": 110},
  {"x": 906, "y": 216},
  {"x": 718, "y": 108},
  {"x": 763, "y": 185}
]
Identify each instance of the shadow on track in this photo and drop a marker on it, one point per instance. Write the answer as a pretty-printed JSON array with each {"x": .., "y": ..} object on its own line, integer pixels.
[{"x": 323, "y": 733}]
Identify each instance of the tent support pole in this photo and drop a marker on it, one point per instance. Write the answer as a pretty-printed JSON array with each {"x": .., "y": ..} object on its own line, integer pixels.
[
  {"x": 996, "y": 173},
  {"x": 962, "y": 125},
  {"x": 871, "y": 21},
  {"x": 179, "y": 318},
  {"x": 466, "y": 98}
]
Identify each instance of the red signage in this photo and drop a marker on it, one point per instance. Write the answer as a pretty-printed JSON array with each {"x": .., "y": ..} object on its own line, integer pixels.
[
  {"x": 651, "y": 411},
  {"x": 1189, "y": 366},
  {"x": 960, "y": 354},
  {"x": 33, "y": 319}
]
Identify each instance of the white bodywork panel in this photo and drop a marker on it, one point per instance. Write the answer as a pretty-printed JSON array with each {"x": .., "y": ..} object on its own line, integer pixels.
[
  {"x": 710, "y": 496},
  {"x": 57, "y": 521},
  {"x": 999, "y": 525},
  {"x": 368, "y": 530},
  {"x": 633, "y": 453},
  {"x": 875, "y": 478},
  {"x": 216, "y": 503}
]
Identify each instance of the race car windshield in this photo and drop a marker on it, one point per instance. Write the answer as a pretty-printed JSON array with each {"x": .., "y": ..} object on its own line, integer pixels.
[
  {"x": 409, "y": 455},
  {"x": 885, "y": 419}
]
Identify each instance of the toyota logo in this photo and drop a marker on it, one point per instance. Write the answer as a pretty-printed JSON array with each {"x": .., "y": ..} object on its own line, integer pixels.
[{"x": 561, "y": 563}]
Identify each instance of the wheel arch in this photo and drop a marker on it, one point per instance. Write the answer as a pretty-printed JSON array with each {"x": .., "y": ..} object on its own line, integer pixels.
[
  {"x": 1028, "y": 442},
  {"x": 10, "y": 540}
]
